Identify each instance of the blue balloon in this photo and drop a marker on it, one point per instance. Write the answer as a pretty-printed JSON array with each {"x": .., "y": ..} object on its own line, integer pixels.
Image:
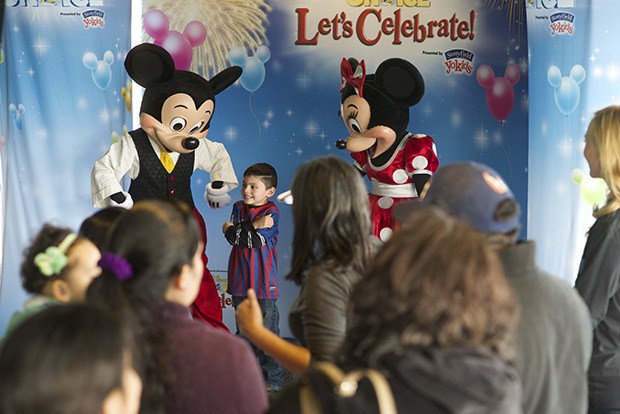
[
  {"x": 102, "y": 76},
  {"x": 17, "y": 114},
  {"x": 567, "y": 95},
  {"x": 263, "y": 53},
  {"x": 237, "y": 56},
  {"x": 554, "y": 76},
  {"x": 253, "y": 74},
  {"x": 100, "y": 69},
  {"x": 566, "y": 89}
]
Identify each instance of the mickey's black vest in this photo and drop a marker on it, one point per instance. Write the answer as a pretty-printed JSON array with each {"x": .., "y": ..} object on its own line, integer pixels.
[{"x": 153, "y": 181}]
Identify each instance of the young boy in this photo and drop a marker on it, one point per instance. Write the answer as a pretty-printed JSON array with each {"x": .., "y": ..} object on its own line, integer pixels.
[{"x": 253, "y": 263}]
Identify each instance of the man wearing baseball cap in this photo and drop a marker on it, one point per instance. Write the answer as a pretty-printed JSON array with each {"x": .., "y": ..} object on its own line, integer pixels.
[{"x": 554, "y": 338}]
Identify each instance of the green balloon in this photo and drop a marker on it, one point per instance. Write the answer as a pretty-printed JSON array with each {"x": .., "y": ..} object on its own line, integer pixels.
[{"x": 593, "y": 190}]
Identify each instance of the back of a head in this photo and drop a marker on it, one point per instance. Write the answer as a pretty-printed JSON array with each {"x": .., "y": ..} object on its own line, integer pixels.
[
  {"x": 475, "y": 194},
  {"x": 97, "y": 227},
  {"x": 156, "y": 238},
  {"x": 330, "y": 211},
  {"x": 434, "y": 283},
  {"x": 65, "y": 359},
  {"x": 147, "y": 247}
]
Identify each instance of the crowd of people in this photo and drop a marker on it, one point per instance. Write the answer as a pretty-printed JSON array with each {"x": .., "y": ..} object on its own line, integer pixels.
[{"x": 450, "y": 315}]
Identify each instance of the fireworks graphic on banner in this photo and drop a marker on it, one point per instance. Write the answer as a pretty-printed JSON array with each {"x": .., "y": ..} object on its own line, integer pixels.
[
  {"x": 229, "y": 24},
  {"x": 515, "y": 12}
]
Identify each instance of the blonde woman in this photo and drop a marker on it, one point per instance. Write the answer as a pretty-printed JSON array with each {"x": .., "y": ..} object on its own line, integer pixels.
[{"x": 598, "y": 280}]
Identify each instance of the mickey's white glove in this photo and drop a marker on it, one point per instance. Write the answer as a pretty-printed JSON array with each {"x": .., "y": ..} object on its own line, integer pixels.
[
  {"x": 217, "y": 198},
  {"x": 128, "y": 203}
]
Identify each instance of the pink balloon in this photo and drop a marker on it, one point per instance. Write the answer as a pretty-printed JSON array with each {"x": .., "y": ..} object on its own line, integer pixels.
[
  {"x": 179, "y": 48},
  {"x": 196, "y": 33},
  {"x": 156, "y": 24},
  {"x": 512, "y": 73},
  {"x": 485, "y": 76},
  {"x": 500, "y": 99}
]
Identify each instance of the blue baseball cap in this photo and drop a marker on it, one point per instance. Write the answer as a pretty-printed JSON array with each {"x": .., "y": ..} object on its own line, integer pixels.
[{"x": 469, "y": 191}]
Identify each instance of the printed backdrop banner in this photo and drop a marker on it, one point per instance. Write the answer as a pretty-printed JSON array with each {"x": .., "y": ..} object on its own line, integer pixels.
[
  {"x": 284, "y": 109},
  {"x": 63, "y": 100},
  {"x": 573, "y": 73}
]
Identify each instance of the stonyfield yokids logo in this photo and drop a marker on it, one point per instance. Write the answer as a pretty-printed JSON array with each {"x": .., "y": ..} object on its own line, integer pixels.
[
  {"x": 562, "y": 23},
  {"x": 459, "y": 61},
  {"x": 93, "y": 18},
  {"x": 399, "y": 23}
]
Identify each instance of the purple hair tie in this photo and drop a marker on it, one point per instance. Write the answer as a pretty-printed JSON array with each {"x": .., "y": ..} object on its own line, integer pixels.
[{"x": 116, "y": 264}]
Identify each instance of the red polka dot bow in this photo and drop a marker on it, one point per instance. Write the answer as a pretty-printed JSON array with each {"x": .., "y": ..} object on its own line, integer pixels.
[{"x": 355, "y": 79}]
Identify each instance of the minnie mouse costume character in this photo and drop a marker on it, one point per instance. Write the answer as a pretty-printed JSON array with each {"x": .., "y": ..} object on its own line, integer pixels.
[
  {"x": 375, "y": 109},
  {"x": 171, "y": 144}
]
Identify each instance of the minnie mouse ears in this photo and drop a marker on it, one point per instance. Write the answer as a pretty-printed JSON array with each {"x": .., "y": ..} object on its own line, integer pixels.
[{"x": 400, "y": 80}]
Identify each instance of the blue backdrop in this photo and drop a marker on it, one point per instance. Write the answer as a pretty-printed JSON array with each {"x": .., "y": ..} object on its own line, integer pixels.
[
  {"x": 573, "y": 73},
  {"x": 286, "y": 119},
  {"x": 58, "y": 116}
]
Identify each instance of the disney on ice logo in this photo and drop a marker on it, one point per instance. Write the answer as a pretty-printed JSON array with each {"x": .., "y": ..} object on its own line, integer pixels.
[
  {"x": 397, "y": 3},
  {"x": 459, "y": 61},
  {"x": 562, "y": 23},
  {"x": 93, "y": 18},
  {"x": 60, "y": 3},
  {"x": 551, "y": 4}
]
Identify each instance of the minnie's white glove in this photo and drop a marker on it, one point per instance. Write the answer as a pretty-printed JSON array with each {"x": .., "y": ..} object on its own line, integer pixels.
[
  {"x": 217, "y": 198},
  {"x": 285, "y": 197}
]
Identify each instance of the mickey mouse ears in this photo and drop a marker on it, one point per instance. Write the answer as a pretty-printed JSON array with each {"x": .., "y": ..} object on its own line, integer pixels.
[{"x": 148, "y": 63}]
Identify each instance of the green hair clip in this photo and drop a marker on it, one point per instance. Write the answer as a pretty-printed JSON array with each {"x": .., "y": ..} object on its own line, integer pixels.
[{"x": 53, "y": 259}]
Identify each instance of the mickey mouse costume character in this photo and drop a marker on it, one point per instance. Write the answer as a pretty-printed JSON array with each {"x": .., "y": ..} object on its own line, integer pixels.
[
  {"x": 375, "y": 109},
  {"x": 160, "y": 157}
]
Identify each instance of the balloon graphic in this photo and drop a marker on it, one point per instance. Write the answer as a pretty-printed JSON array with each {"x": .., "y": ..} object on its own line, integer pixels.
[
  {"x": 592, "y": 190},
  {"x": 17, "y": 113},
  {"x": 126, "y": 95},
  {"x": 179, "y": 45},
  {"x": 253, "y": 67},
  {"x": 566, "y": 89},
  {"x": 500, "y": 95},
  {"x": 100, "y": 69}
]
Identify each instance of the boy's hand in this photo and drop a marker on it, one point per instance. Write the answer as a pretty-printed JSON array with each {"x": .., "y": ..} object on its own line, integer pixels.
[
  {"x": 226, "y": 226},
  {"x": 249, "y": 315},
  {"x": 265, "y": 222}
]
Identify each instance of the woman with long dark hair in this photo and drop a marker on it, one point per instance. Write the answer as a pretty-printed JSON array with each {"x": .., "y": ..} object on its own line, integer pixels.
[
  {"x": 331, "y": 247},
  {"x": 151, "y": 274}
]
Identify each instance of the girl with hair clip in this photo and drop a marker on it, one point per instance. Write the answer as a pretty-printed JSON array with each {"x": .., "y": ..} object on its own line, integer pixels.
[
  {"x": 71, "y": 359},
  {"x": 435, "y": 315},
  {"x": 331, "y": 246},
  {"x": 58, "y": 267},
  {"x": 151, "y": 274},
  {"x": 598, "y": 280}
]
